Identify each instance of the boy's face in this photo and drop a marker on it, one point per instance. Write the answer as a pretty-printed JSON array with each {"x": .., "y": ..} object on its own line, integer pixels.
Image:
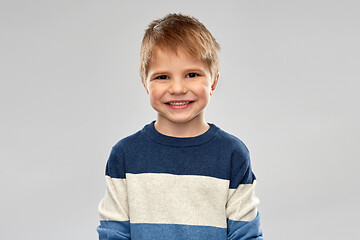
[{"x": 179, "y": 86}]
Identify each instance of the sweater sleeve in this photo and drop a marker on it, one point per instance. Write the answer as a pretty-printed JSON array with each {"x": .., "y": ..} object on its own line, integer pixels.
[
  {"x": 113, "y": 208},
  {"x": 243, "y": 221}
]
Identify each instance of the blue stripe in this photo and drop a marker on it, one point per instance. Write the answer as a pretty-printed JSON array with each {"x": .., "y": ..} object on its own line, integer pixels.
[
  {"x": 120, "y": 230},
  {"x": 241, "y": 230},
  {"x": 224, "y": 156},
  {"x": 114, "y": 230},
  {"x": 145, "y": 231}
]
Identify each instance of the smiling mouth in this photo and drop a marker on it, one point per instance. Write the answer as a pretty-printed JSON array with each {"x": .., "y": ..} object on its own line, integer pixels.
[{"x": 179, "y": 103}]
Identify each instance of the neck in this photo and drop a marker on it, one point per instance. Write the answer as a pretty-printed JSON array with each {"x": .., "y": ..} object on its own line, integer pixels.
[{"x": 186, "y": 129}]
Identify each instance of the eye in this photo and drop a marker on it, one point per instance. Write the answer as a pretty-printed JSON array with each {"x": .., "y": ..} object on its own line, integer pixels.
[
  {"x": 162, "y": 77},
  {"x": 192, "y": 75}
]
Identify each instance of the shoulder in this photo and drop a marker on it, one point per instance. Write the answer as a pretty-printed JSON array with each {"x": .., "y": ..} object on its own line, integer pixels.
[
  {"x": 130, "y": 141},
  {"x": 236, "y": 150},
  {"x": 232, "y": 143}
]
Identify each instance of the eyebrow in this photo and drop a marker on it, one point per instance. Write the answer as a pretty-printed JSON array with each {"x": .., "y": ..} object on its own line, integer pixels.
[{"x": 194, "y": 70}]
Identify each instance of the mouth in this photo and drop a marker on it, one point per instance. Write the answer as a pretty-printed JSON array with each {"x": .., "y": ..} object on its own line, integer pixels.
[{"x": 179, "y": 103}]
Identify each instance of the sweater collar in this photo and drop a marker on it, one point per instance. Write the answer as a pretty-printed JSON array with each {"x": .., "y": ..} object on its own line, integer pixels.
[{"x": 158, "y": 137}]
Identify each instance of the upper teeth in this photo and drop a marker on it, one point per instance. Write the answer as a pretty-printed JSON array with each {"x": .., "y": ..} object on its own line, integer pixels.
[{"x": 179, "y": 103}]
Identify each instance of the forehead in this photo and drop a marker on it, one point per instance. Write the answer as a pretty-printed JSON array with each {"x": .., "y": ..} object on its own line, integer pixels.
[{"x": 180, "y": 57}]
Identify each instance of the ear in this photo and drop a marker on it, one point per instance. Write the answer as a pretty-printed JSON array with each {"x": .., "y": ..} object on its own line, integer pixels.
[{"x": 214, "y": 84}]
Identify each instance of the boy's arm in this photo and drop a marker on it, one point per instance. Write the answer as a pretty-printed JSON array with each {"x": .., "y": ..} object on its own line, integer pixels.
[
  {"x": 241, "y": 209},
  {"x": 113, "y": 208}
]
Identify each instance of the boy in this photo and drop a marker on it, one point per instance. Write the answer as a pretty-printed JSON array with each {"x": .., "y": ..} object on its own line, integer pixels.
[{"x": 179, "y": 177}]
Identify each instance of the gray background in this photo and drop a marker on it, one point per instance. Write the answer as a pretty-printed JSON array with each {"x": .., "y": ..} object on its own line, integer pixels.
[{"x": 70, "y": 89}]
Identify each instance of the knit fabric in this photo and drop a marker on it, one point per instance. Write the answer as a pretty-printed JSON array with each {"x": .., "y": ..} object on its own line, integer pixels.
[{"x": 161, "y": 187}]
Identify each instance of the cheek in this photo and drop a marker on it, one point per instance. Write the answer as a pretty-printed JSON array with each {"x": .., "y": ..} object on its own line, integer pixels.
[
  {"x": 204, "y": 91},
  {"x": 155, "y": 94}
]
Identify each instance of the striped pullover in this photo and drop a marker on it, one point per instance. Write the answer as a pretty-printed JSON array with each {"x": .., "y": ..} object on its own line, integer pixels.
[{"x": 161, "y": 188}]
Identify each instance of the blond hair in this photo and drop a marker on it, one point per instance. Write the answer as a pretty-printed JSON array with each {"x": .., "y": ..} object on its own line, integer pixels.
[{"x": 176, "y": 31}]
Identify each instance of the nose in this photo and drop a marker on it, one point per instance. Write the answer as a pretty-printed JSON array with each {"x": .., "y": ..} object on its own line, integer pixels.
[{"x": 177, "y": 86}]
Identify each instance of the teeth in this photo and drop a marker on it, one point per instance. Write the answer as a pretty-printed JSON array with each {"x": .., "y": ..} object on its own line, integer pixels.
[{"x": 178, "y": 103}]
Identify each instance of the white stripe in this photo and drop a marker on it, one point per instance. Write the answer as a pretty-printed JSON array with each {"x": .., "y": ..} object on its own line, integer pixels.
[
  {"x": 242, "y": 203},
  {"x": 177, "y": 199},
  {"x": 114, "y": 206}
]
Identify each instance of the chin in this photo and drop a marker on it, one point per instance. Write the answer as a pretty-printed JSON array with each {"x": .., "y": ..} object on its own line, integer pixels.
[{"x": 183, "y": 120}]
